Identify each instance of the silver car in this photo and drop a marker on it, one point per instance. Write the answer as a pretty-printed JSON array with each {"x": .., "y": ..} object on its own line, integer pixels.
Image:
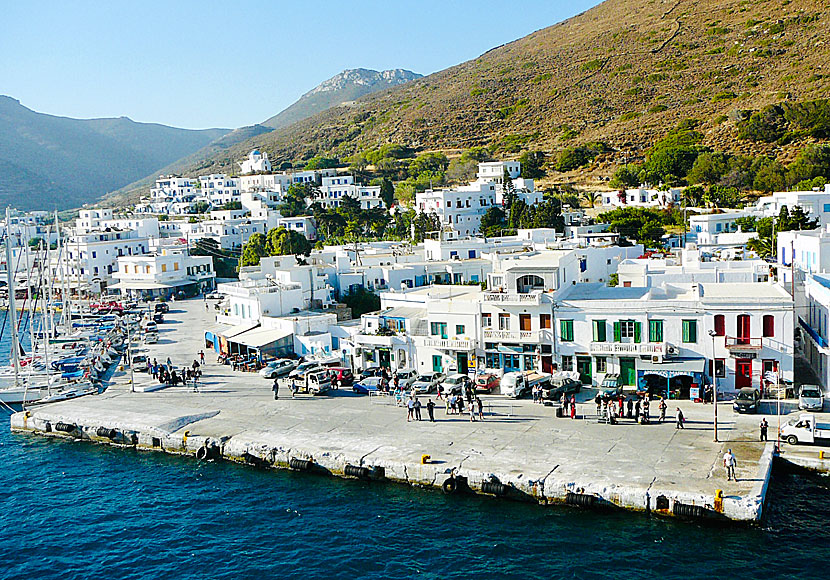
[
  {"x": 810, "y": 398},
  {"x": 427, "y": 383}
]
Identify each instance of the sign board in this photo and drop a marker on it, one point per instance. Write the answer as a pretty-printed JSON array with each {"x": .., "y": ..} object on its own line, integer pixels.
[{"x": 739, "y": 354}]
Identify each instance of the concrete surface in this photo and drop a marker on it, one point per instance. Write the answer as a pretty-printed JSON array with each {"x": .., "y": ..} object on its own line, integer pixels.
[{"x": 519, "y": 444}]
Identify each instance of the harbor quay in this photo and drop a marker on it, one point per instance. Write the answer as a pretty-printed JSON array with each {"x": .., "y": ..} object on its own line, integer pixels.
[{"x": 520, "y": 450}]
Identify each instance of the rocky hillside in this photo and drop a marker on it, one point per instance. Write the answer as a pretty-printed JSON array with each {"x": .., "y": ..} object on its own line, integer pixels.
[
  {"x": 49, "y": 162},
  {"x": 340, "y": 89},
  {"x": 623, "y": 73}
]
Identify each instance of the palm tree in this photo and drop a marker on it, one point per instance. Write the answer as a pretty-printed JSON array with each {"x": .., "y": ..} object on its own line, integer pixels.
[
  {"x": 761, "y": 246},
  {"x": 592, "y": 197}
]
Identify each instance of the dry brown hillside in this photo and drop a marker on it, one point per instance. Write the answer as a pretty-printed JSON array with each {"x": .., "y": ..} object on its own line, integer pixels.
[{"x": 623, "y": 72}]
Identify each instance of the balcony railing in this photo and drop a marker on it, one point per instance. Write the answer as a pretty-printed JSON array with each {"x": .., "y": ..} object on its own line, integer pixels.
[
  {"x": 512, "y": 298},
  {"x": 518, "y": 335},
  {"x": 633, "y": 348},
  {"x": 743, "y": 343},
  {"x": 448, "y": 343},
  {"x": 813, "y": 334}
]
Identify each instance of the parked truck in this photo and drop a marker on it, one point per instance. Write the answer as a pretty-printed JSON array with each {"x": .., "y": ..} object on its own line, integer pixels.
[
  {"x": 517, "y": 384},
  {"x": 805, "y": 429}
]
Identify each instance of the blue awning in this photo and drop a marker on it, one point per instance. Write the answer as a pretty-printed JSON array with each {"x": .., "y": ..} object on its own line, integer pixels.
[{"x": 813, "y": 334}]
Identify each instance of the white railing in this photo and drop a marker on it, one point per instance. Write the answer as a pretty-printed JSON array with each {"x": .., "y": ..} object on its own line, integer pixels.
[
  {"x": 525, "y": 335},
  {"x": 448, "y": 343},
  {"x": 635, "y": 348},
  {"x": 512, "y": 298}
]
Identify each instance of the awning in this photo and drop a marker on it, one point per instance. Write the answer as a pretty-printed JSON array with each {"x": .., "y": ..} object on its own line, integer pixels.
[
  {"x": 674, "y": 368},
  {"x": 404, "y": 312},
  {"x": 237, "y": 330},
  {"x": 511, "y": 349},
  {"x": 260, "y": 337},
  {"x": 141, "y": 285}
]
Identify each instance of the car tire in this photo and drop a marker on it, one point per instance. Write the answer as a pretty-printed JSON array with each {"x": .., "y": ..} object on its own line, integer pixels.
[{"x": 792, "y": 440}]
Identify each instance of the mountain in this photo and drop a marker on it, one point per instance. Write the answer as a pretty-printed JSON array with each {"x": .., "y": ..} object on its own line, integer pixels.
[
  {"x": 342, "y": 88},
  {"x": 623, "y": 72},
  {"x": 49, "y": 162}
]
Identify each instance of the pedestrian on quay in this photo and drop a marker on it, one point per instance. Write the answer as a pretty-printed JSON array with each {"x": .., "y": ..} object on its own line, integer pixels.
[
  {"x": 573, "y": 407},
  {"x": 451, "y": 405},
  {"x": 535, "y": 393},
  {"x": 275, "y": 388},
  {"x": 564, "y": 400},
  {"x": 662, "y": 406},
  {"x": 480, "y": 406},
  {"x": 169, "y": 363},
  {"x": 636, "y": 409},
  {"x": 416, "y": 404},
  {"x": 431, "y": 410},
  {"x": 410, "y": 410},
  {"x": 459, "y": 401},
  {"x": 440, "y": 392},
  {"x": 447, "y": 404},
  {"x": 630, "y": 406},
  {"x": 472, "y": 413},
  {"x": 764, "y": 426},
  {"x": 679, "y": 419},
  {"x": 622, "y": 407},
  {"x": 729, "y": 462},
  {"x": 598, "y": 401},
  {"x": 202, "y": 356}
]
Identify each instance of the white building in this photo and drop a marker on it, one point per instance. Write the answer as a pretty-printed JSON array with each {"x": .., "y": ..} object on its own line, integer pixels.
[
  {"x": 814, "y": 320},
  {"x": 301, "y": 224},
  {"x": 709, "y": 228},
  {"x": 690, "y": 267},
  {"x": 815, "y": 203},
  {"x": 641, "y": 197},
  {"x": 334, "y": 189},
  {"x": 164, "y": 273},
  {"x": 91, "y": 220},
  {"x": 257, "y": 162},
  {"x": 220, "y": 189}
]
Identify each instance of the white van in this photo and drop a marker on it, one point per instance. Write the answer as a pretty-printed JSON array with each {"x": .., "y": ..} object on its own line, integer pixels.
[{"x": 516, "y": 384}]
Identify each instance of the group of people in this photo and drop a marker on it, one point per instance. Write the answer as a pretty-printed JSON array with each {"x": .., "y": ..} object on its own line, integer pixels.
[
  {"x": 413, "y": 409},
  {"x": 455, "y": 405},
  {"x": 639, "y": 409},
  {"x": 165, "y": 374}
]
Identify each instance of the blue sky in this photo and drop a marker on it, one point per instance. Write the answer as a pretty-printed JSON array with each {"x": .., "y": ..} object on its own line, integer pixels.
[{"x": 227, "y": 64}]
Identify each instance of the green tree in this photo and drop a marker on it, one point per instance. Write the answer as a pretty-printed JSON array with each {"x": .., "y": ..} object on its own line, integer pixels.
[
  {"x": 708, "y": 168},
  {"x": 35, "y": 242},
  {"x": 322, "y": 163},
  {"x": 361, "y": 301},
  {"x": 430, "y": 162},
  {"x": 294, "y": 201},
  {"x": 493, "y": 221},
  {"x": 592, "y": 198},
  {"x": 387, "y": 192},
  {"x": 532, "y": 164},
  {"x": 424, "y": 224},
  {"x": 626, "y": 176},
  {"x": 769, "y": 176},
  {"x": 812, "y": 161},
  {"x": 254, "y": 250},
  {"x": 283, "y": 242},
  {"x": 231, "y": 205}
]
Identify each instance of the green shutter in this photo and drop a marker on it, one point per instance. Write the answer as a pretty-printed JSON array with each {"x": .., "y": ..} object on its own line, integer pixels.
[
  {"x": 599, "y": 331},
  {"x": 638, "y": 331},
  {"x": 689, "y": 331},
  {"x": 617, "y": 332},
  {"x": 566, "y": 330},
  {"x": 655, "y": 331}
]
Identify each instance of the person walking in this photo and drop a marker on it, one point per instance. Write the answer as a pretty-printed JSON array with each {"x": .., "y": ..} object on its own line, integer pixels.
[
  {"x": 169, "y": 363},
  {"x": 416, "y": 404},
  {"x": 573, "y": 407},
  {"x": 763, "y": 426},
  {"x": 480, "y": 406},
  {"x": 729, "y": 462},
  {"x": 451, "y": 405},
  {"x": 679, "y": 419},
  {"x": 202, "y": 356},
  {"x": 410, "y": 410},
  {"x": 275, "y": 388},
  {"x": 662, "y": 406},
  {"x": 630, "y": 406},
  {"x": 431, "y": 410},
  {"x": 598, "y": 401},
  {"x": 472, "y": 413}
]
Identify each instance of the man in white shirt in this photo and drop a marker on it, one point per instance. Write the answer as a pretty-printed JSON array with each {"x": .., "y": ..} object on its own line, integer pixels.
[{"x": 729, "y": 462}]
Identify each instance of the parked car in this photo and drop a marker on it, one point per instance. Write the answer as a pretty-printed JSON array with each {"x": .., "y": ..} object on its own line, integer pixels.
[
  {"x": 747, "y": 401},
  {"x": 406, "y": 377},
  {"x": 162, "y": 308},
  {"x": 277, "y": 368},
  {"x": 140, "y": 363},
  {"x": 610, "y": 386},
  {"x": 427, "y": 382},
  {"x": 454, "y": 384},
  {"x": 367, "y": 385},
  {"x": 214, "y": 296},
  {"x": 303, "y": 368},
  {"x": 810, "y": 398},
  {"x": 150, "y": 326},
  {"x": 158, "y": 318},
  {"x": 343, "y": 375},
  {"x": 558, "y": 386},
  {"x": 487, "y": 383},
  {"x": 151, "y": 338},
  {"x": 370, "y": 372}
]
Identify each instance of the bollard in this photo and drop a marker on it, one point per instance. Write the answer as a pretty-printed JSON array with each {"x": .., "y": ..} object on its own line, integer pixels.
[
  {"x": 718, "y": 504},
  {"x": 425, "y": 459},
  {"x": 821, "y": 454}
]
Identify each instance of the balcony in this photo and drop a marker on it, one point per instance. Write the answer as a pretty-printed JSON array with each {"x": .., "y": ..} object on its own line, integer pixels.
[
  {"x": 512, "y": 335},
  {"x": 628, "y": 348},
  {"x": 743, "y": 343},
  {"x": 447, "y": 343},
  {"x": 513, "y": 298},
  {"x": 812, "y": 333}
]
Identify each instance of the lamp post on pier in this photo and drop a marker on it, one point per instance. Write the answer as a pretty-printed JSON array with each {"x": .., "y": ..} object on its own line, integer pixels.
[{"x": 713, "y": 334}]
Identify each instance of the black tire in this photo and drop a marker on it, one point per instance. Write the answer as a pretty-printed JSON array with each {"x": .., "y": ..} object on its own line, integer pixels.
[
  {"x": 449, "y": 486},
  {"x": 792, "y": 440},
  {"x": 202, "y": 453}
]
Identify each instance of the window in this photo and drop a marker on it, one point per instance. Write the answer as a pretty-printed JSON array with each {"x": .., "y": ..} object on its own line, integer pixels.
[
  {"x": 720, "y": 368},
  {"x": 567, "y": 363},
  {"x": 436, "y": 364},
  {"x": 438, "y": 329},
  {"x": 544, "y": 321},
  {"x": 690, "y": 331},
  {"x": 492, "y": 360},
  {"x": 164, "y": 267},
  {"x": 599, "y": 331},
  {"x": 486, "y": 321},
  {"x": 655, "y": 331},
  {"x": 504, "y": 321},
  {"x": 459, "y": 330},
  {"x": 629, "y": 329},
  {"x": 769, "y": 326},
  {"x": 720, "y": 325},
  {"x": 601, "y": 363},
  {"x": 566, "y": 330},
  {"x": 524, "y": 322}
]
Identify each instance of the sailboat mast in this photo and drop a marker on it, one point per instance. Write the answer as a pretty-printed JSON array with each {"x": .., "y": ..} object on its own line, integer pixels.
[
  {"x": 12, "y": 305},
  {"x": 47, "y": 312}
]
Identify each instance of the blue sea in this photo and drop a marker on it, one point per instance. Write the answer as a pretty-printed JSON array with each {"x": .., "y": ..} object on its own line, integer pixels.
[{"x": 77, "y": 510}]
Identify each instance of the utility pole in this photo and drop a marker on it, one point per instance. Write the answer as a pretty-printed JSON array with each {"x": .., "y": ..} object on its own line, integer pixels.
[{"x": 713, "y": 334}]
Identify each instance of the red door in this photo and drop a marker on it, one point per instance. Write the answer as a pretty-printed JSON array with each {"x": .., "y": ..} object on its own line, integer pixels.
[
  {"x": 547, "y": 364},
  {"x": 743, "y": 329},
  {"x": 743, "y": 373}
]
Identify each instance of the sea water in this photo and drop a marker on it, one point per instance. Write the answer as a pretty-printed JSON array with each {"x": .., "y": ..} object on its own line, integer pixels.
[{"x": 78, "y": 510}]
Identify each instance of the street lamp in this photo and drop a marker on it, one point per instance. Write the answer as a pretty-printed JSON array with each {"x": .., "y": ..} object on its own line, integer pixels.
[{"x": 713, "y": 334}]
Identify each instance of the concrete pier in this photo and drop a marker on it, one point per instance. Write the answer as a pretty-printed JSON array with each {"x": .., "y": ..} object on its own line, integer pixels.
[{"x": 520, "y": 451}]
